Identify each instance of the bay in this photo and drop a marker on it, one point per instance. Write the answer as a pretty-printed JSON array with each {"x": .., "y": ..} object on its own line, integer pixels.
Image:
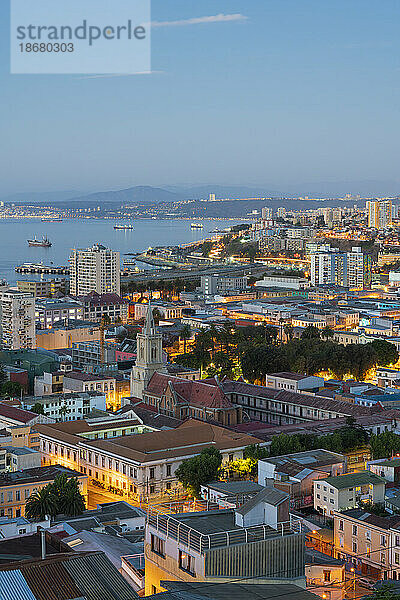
[{"x": 82, "y": 233}]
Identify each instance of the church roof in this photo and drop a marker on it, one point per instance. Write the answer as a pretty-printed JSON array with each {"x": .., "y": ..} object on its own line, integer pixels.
[{"x": 195, "y": 393}]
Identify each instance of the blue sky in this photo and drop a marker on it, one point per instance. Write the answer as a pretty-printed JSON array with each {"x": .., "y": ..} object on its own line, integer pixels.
[{"x": 292, "y": 91}]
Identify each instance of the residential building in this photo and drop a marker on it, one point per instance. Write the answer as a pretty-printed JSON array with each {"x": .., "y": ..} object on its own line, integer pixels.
[
  {"x": 49, "y": 383},
  {"x": 17, "y": 320},
  {"x": 90, "y": 354},
  {"x": 19, "y": 459},
  {"x": 96, "y": 269},
  {"x": 296, "y": 473},
  {"x": 16, "y": 487},
  {"x": 325, "y": 574},
  {"x": 44, "y": 288},
  {"x": 347, "y": 269},
  {"x": 11, "y": 416},
  {"x": 139, "y": 466},
  {"x": 102, "y": 385},
  {"x": 11, "y": 528},
  {"x": 220, "y": 284},
  {"x": 364, "y": 540},
  {"x": 294, "y": 382},
  {"x": 49, "y": 312},
  {"x": 343, "y": 492},
  {"x": 295, "y": 283},
  {"x": 68, "y": 406},
  {"x": 181, "y": 398},
  {"x": 379, "y": 213},
  {"x": 257, "y": 542},
  {"x": 149, "y": 356},
  {"x": 388, "y": 469}
]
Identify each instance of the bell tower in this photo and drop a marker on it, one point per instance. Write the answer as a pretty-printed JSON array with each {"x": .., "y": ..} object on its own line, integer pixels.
[{"x": 149, "y": 357}]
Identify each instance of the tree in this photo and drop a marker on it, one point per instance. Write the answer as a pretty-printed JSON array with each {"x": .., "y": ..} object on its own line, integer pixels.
[
  {"x": 386, "y": 353},
  {"x": 185, "y": 334},
  {"x": 38, "y": 408},
  {"x": 41, "y": 504},
  {"x": 385, "y": 444},
  {"x": 310, "y": 332},
  {"x": 199, "y": 470},
  {"x": 386, "y": 591},
  {"x": 327, "y": 333},
  {"x": 10, "y": 388}
]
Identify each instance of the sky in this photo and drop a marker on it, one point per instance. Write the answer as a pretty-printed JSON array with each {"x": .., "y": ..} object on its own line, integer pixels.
[{"x": 270, "y": 92}]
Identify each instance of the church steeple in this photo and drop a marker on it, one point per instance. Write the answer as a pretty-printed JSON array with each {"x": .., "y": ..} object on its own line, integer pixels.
[{"x": 149, "y": 355}]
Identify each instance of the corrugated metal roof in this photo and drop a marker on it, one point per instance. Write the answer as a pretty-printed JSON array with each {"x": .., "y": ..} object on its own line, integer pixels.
[
  {"x": 62, "y": 585},
  {"x": 98, "y": 579},
  {"x": 14, "y": 587}
]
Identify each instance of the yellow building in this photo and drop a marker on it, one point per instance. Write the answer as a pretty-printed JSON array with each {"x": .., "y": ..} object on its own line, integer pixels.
[
  {"x": 16, "y": 487},
  {"x": 357, "y": 459},
  {"x": 55, "y": 339}
]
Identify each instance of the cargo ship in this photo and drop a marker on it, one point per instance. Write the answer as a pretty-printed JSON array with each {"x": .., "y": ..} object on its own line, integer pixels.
[
  {"x": 43, "y": 243},
  {"x": 196, "y": 226}
]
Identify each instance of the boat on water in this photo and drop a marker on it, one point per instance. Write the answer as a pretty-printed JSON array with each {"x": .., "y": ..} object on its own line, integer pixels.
[
  {"x": 51, "y": 219},
  {"x": 43, "y": 243},
  {"x": 123, "y": 226},
  {"x": 196, "y": 226}
]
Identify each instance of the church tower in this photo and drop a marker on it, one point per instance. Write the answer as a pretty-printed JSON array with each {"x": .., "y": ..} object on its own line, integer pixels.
[{"x": 149, "y": 358}]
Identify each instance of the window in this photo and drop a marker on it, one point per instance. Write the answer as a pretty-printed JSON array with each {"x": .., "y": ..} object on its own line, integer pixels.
[
  {"x": 152, "y": 489},
  {"x": 186, "y": 562},
  {"x": 157, "y": 545},
  {"x": 17, "y": 495},
  {"x": 355, "y": 547},
  {"x": 397, "y": 558},
  {"x": 383, "y": 540},
  {"x": 327, "y": 575},
  {"x": 168, "y": 486},
  {"x": 368, "y": 534},
  {"x": 168, "y": 470},
  {"x": 340, "y": 525},
  {"x": 397, "y": 540},
  {"x": 152, "y": 472},
  {"x": 354, "y": 529},
  {"x": 383, "y": 558}
]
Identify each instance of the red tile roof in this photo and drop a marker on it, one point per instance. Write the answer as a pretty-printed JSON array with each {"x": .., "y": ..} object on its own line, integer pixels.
[
  {"x": 18, "y": 414},
  {"x": 195, "y": 393}
]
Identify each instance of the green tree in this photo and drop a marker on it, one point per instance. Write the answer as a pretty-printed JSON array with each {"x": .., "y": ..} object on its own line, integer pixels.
[
  {"x": 38, "y": 408},
  {"x": 185, "y": 335},
  {"x": 41, "y": 503},
  {"x": 386, "y": 591},
  {"x": 327, "y": 333},
  {"x": 310, "y": 332},
  {"x": 199, "y": 470},
  {"x": 386, "y": 353},
  {"x": 10, "y": 388}
]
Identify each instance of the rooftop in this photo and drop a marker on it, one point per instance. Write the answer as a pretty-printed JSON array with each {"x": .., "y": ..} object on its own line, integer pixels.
[
  {"x": 35, "y": 474},
  {"x": 182, "y": 590},
  {"x": 349, "y": 480}
]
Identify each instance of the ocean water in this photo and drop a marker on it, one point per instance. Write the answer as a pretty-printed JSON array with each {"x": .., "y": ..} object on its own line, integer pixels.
[{"x": 82, "y": 233}]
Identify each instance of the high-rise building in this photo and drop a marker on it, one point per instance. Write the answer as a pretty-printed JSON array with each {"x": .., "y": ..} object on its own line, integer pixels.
[
  {"x": 379, "y": 213},
  {"x": 17, "y": 320},
  {"x": 347, "y": 269},
  {"x": 149, "y": 356},
  {"x": 96, "y": 269},
  {"x": 211, "y": 198},
  {"x": 266, "y": 213},
  {"x": 281, "y": 212}
]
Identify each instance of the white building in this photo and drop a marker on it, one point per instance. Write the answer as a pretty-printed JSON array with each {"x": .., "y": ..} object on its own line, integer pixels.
[
  {"x": 96, "y": 269},
  {"x": 68, "y": 406},
  {"x": 294, "y": 283},
  {"x": 17, "y": 320},
  {"x": 345, "y": 491},
  {"x": 330, "y": 266}
]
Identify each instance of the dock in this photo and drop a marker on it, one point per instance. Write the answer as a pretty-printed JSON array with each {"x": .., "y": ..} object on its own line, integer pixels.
[{"x": 41, "y": 268}]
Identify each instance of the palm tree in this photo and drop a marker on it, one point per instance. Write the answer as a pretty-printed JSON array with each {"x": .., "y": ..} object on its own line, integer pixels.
[
  {"x": 41, "y": 503},
  {"x": 72, "y": 502},
  {"x": 288, "y": 331}
]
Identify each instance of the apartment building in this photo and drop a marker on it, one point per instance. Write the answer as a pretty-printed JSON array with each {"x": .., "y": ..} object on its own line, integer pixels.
[
  {"x": 17, "y": 320},
  {"x": 348, "y": 269},
  {"x": 379, "y": 213},
  {"x": 49, "y": 312},
  {"x": 89, "y": 354},
  {"x": 68, "y": 407},
  {"x": 368, "y": 542},
  {"x": 96, "y": 269},
  {"x": 43, "y": 288},
  {"x": 104, "y": 385},
  {"x": 16, "y": 487},
  {"x": 220, "y": 284},
  {"x": 343, "y": 492},
  {"x": 133, "y": 458},
  {"x": 63, "y": 335},
  {"x": 257, "y": 541}
]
